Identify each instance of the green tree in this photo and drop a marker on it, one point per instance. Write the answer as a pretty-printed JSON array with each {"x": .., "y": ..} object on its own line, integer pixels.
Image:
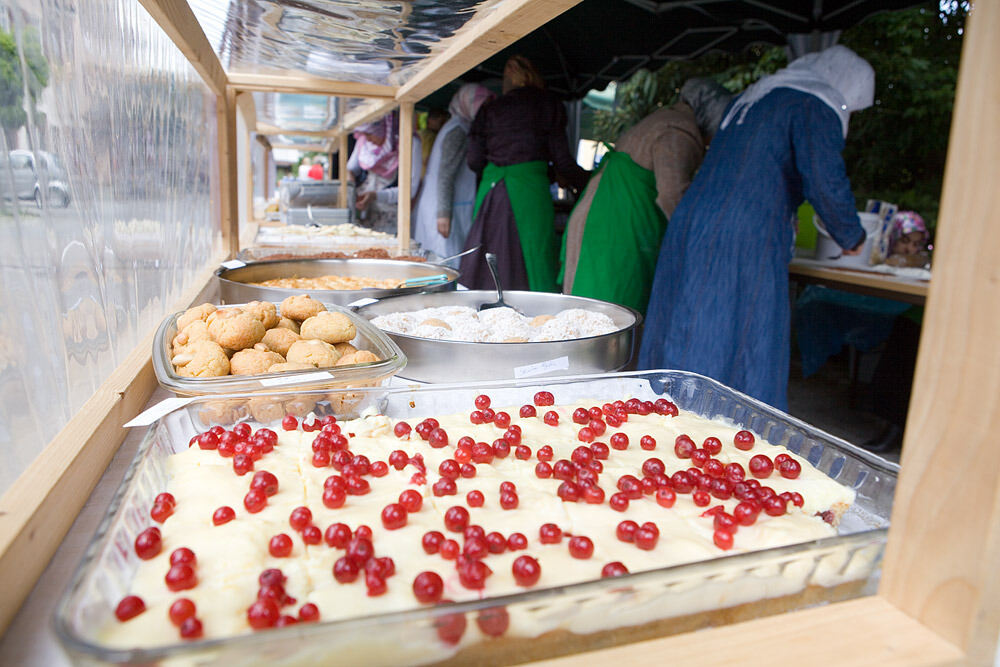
[{"x": 13, "y": 115}]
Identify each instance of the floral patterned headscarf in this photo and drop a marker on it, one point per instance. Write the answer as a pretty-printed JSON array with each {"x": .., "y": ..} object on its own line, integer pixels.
[
  {"x": 905, "y": 222},
  {"x": 380, "y": 159}
]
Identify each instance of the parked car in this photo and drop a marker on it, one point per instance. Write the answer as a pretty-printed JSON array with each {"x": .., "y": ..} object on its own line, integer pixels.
[{"x": 31, "y": 174}]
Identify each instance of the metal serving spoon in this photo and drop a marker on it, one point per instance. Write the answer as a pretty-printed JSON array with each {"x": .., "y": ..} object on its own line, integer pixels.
[{"x": 491, "y": 262}]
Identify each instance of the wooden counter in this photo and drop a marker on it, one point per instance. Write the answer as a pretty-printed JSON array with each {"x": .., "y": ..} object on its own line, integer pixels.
[{"x": 871, "y": 283}]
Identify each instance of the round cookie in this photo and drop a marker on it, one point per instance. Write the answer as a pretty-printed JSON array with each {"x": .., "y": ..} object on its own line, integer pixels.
[
  {"x": 193, "y": 314},
  {"x": 435, "y": 322},
  {"x": 280, "y": 339},
  {"x": 237, "y": 332},
  {"x": 359, "y": 357},
  {"x": 539, "y": 320},
  {"x": 313, "y": 352},
  {"x": 290, "y": 366},
  {"x": 265, "y": 409},
  {"x": 345, "y": 348},
  {"x": 265, "y": 311},
  {"x": 330, "y": 327},
  {"x": 253, "y": 361},
  {"x": 222, "y": 314},
  {"x": 192, "y": 333},
  {"x": 203, "y": 358},
  {"x": 301, "y": 307},
  {"x": 286, "y": 323}
]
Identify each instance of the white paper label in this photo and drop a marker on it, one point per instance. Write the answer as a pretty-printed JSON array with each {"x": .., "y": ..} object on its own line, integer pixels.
[
  {"x": 362, "y": 302},
  {"x": 234, "y": 264},
  {"x": 295, "y": 379},
  {"x": 163, "y": 407},
  {"x": 542, "y": 367}
]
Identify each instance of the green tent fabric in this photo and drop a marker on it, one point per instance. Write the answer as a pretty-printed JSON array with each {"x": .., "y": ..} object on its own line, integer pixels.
[
  {"x": 621, "y": 238},
  {"x": 528, "y": 188}
]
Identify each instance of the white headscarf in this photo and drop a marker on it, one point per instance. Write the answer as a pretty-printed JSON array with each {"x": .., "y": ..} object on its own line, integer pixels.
[
  {"x": 466, "y": 102},
  {"x": 838, "y": 76}
]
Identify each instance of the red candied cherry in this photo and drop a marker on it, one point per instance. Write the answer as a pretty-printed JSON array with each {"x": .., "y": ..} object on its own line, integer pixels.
[
  {"x": 615, "y": 569},
  {"x": 513, "y": 436},
  {"x": 482, "y": 453},
  {"x": 263, "y": 614},
  {"x": 449, "y": 468},
  {"x": 745, "y": 513},
  {"x": 595, "y": 413},
  {"x": 527, "y": 411},
  {"x": 181, "y": 577},
  {"x": 509, "y": 500},
  {"x": 308, "y": 613},
  {"x": 431, "y": 541},
  {"x": 551, "y": 418},
  {"x": 334, "y": 497},
  {"x": 285, "y": 620},
  {"x": 217, "y": 430},
  {"x": 723, "y": 540},
  {"x": 375, "y": 584},
  {"x": 438, "y": 438},
  {"x": 345, "y": 570},
  {"x": 581, "y": 416},
  {"x": 320, "y": 459},
  {"x": 517, "y": 541},
  {"x": 726, "y": 522},
  {"x": 456, "y": 519},
  {"x": 494, "y": 621},
  {"x": 450, "y": 627},
  {"x": 223, "y": 515},
  {"x": 734, "y": 473},
  {"x": 701, "y": 498},
  {"x": 468, "y": 470},
  {"x": 593, "y": 495},
  {"x": 720, "y": 488},
  {"x": 743, "y": 440},
  {"x": 653, "y": 466},
  {"x": 129, "y": 607},
  {"x": 265, "y": 481},
  {"x": 160, "y": 512},
  {"x": 619, "y": 441},
  {"x": 682, "y": 481},
  {"x": 568, "y": 492},
  {"x": 280, "y": 546},
  {"x": 647, "y": 442},
  {"x": 543, "y": 470},
  {"x": 379, "y": 469},
  {"x": 585, "y": 434},
  {"x": 166, "y": 499},
  {"x": 411, "y": 500},
  {"x": 789, "y": 468},
  {"x": 191, "y": 628},
  {"x": 664, "y": 407},
  {"x": 394, "y": 516},
  {"x": 797, "y": 499},
  {"x": 474, "y": 530},
  {"x": 340, "y": 459},
  {"x": 526, "y": 571},
  {"x": 476, "y": 417},
  {"x": 300, "y": 518},
  {"x": 475, "y": 498},
  {"x": 549, "y": 533},
  {"x": 647, "y": 536},
  {"x": 360, "y": 549},
  {"x": 444, "y": 487},
  {"x": 630, "y": 486},
  {"x": 761, "y": 466},
  {"x": 774, "y": 505},
  {"x": 483, "y": 401},
  {"x": 271, "y": 578},
  {"x": 522, "y": 452},
  {"x": 712, "y": 445},
  {"x": 473, "y": 574},
  {"x": 618, "y": 502},
  {"x": 398, "y": 459},
  {"x": 626, "y": 530},
  {"x": 564, "y": 470},
  {"x": 501, "y": 420},
  {"x": 683, "y": 446},
  {"x": 183, "y": 555},
  {"x": 148, "y": 543},
  {"x": 312, "y": 535},
  {"x": 544, "y": 398},
  {"x": 476, "y": 547},
  {"x": 496, "y": 542},
  {"x": 181, "y": 610},
  {"x": 665, "y": 497},
  {"x": 612, "y": 420},
  {"x": 401, "y": 430},
  {"x": 501, "y": 448},
  {"x": 289, "y": 423},
  {"x": 597, "y": 426},
  {"x": 600, "y": 451},
  {"x": 242, "y": 429},
  {"x": 208, "y": 440},
  {"x": 449, "y": 549},
  {"x": 714, "y": 468},
  {"x": 356, "y": 486},
  {"x": 488, "y": 415},
  {"x": 428, "y": 587},
  {"x": 544, "y": 453}
]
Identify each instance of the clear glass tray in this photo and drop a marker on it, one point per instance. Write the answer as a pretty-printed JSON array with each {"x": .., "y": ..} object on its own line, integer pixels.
[
  {"x": 549, "y": 621},
  {"x": 369, "y": 374}
]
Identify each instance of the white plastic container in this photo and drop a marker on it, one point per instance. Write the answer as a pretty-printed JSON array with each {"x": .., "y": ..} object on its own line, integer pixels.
[{"x": 828, "y": 251}]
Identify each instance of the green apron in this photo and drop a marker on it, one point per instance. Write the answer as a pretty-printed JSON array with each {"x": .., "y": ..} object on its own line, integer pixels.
[
  {"x": 531, "y": 201},
  {"x": 621, "y": 236}
]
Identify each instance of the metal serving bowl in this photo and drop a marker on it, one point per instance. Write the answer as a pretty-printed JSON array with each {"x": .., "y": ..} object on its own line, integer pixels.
[
  {"x": 430, "y": 360},
  {"x": 234, "y": 287}
]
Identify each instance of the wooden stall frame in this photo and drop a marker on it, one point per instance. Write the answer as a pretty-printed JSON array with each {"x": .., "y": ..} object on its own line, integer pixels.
[{"x": 938, "y": 602}]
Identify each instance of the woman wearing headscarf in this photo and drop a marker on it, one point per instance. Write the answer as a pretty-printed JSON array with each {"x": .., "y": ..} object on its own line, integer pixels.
[
  {"x": 719, "y": 304},
  {"x": 444, "y": 209},
  {"x": 614, "y": 232},
  {"x": 377, "y": 153},
  {"x": 511, "y": 142}
]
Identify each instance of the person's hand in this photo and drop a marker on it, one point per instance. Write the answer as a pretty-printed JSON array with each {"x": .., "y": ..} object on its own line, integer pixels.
[
  {"x": 444, "y": 226},
  {"x": 363, "y": 200},
  {"x": 856, "y": 250}
]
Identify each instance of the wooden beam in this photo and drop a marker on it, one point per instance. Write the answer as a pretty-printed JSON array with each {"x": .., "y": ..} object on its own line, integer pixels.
[
  {"x": 366, "y": 112},
  {"x": 308, "y": 85},
  {"x": 313, "y": 148},
  {"x": 479, "y": 39},
  {"x": 944, "y": 544},
  {"x": 179, "y": 23},
  {"x": 38, "y": 509},
  {"x": 228, "y": 178},
  {"x": 273, "y": 130},
  {"x": 248, "y": 110},
  {"x": 405, "y": 175}
]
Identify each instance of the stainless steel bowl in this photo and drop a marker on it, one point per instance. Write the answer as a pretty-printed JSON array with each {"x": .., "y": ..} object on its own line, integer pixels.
[
  {"x": 234, "y": 287},
  {"x": 430, "y": 360}
]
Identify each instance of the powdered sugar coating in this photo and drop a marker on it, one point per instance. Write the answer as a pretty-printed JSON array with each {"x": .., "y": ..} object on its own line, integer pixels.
[{"x": 496, "y": 325}]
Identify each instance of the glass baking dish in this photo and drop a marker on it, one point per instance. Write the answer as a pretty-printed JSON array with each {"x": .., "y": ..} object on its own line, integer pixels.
[
  {"x": 371, "y": 374},
  {"x": 544, "y": 622}
]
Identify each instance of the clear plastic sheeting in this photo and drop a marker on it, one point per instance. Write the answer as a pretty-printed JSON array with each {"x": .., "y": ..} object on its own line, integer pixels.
[
  {"x": 107, "y": 160},
  {"x": 305, "y": 113},
  {"x": 368, "y": 41}
]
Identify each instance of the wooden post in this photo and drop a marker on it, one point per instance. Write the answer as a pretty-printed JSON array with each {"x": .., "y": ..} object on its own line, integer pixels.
[
  {"x": 944, "y": 544},
  {"x": 406, "y": 158},
  {"x": 342, "y": 171},
  {"x": 228, "y": 179}
]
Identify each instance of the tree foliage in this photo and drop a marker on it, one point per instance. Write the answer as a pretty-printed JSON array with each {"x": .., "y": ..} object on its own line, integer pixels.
[
  {"x": 896, "y": 149},
  {"x": 13, "y": 115}
]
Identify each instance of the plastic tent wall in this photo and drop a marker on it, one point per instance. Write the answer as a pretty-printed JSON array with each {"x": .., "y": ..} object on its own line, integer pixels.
[{"x": 101, "y": 88}]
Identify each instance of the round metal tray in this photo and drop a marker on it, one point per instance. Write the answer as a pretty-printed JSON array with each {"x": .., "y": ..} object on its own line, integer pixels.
[
  {"x": 234, "y": 287},
  {"x": 430, "y": 360}
]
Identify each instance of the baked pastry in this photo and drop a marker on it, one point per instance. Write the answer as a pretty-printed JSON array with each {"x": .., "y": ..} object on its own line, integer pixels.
[
  {"x": 237, "y": 332},
  {"x": 301, "y": 307},
  {"x": 193, "y": 314},
  {"x": 359, "y": 357},
  {"x": 286, "y": 323},
  {"x": 313, "y": 352},
  {"x": 280, "y": 339},
  {"x": 254, "y": 360},
  {"x": 328, "y": 326},
  {"x": 264, "y": 311},
  {"x": 193, "y": 332},
  {"x": 201, "y": 359}
]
